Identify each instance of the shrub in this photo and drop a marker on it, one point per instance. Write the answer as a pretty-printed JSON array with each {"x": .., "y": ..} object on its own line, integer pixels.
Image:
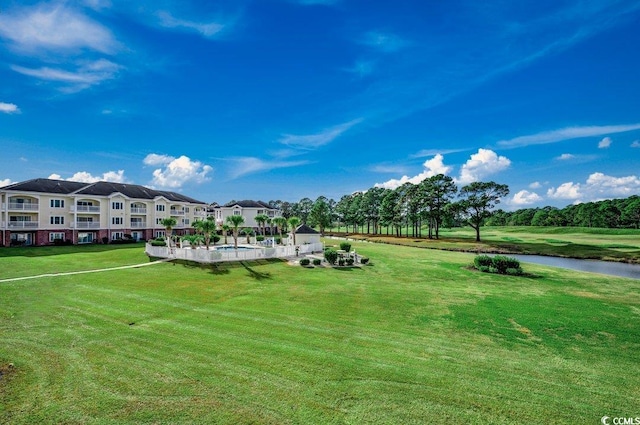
[
  {"x": 278, "y": 240},
  {"x": 364, "y": 260},
  {"x": 331, "y": 255},
  {"x": 341, "y": 262},
  {"x": 58, "y": 242},
  {"x": 502, "y": 263},
  {"x": 156, "y": 242},
  {"x": 215, "y": 239},
  {"x": 345, "y": 246},
  {"x": 514, "y": 271},
  {"x": 349, "y": 261},
  {"x": 316, "y": 261},
  {"x": 259, "y": 238},
  {"x": 482, "y": 261},
  {"x": 484, "y": 269},
  {"x": 305, "y": 262}
]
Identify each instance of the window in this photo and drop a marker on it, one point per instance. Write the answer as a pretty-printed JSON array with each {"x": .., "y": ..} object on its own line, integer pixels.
[
  {"x": 185, "y": 221},
  {"x": 159, "y": 233},
  {"x": 85, "y": 237},
  {"x": 84, "y": 203},
  {"x": 236, "y": 212},
  {"x": 57, "y": 203},
  {"x": 116, "y": 220},
  {"x": 56, "y": 235},
  {"x": 159, "y": 220},
  {"x": 57, "y": 220},
  {"x": 186, "y": 209},
  {"x": 117, "y": 206},
  {"x": 117, "y": 235},
  {"x": 160, "y": 208}
]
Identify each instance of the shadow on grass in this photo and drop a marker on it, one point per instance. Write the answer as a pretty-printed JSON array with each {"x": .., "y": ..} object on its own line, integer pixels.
[
  {"x": 254, "y": 274},
  {"x": 43, "y": 251}
]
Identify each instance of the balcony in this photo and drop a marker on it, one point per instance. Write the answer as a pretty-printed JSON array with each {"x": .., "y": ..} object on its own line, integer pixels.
[
  {"x": 23, "y": 225},
  {"x": 176, "y": 212},
  {"x": 87, "y": 225},
  {"x": 138, "y": 224},
  {"x": 85, "y": 209},
  {"x": 138, "y": 210},
  {"x": 20, "y": 206},
  {"x": 199, "y": 213}
]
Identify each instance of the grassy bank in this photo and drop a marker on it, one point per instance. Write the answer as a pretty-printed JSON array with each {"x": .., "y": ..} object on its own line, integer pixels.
[
  {"x": 586, "y": 243},
  {"x": 416, "y": 337}
]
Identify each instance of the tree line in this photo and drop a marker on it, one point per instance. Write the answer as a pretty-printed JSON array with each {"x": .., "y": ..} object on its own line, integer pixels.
[
  {"x": 426, "y": 206},
  {"x": 610, "y": 213}
]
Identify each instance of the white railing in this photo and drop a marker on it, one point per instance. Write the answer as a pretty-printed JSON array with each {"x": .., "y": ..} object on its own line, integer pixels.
[
  {"x": 138, "y": 224},
  {"x": 23, "y": 225},
  {"x": 31, "y": 206},
  {"x": 199, "y": 213},
  {"x": 176, "y": 212},
  {"x": 202, "y": 255},
  {"x": 87, "y": 225},
  {"x": 138, "y": 210},
  {"x": 85, "y": 208}
]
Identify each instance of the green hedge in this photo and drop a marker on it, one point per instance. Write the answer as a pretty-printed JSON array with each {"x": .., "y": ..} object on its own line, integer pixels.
[{"x": 498, "y": 264}]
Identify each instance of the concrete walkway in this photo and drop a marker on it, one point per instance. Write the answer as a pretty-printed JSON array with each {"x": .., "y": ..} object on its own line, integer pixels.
[{"x": 133, "y": 266}]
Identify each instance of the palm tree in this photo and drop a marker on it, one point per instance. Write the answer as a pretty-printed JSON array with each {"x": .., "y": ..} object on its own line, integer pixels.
[
  {"x": 235, "y": 221},
  {"x": 261, "y": 219},
  {"x": 194, "y": 240},
  {"x": 225, "y": 231},
  {"x": 281, "y": 222},
  {"x": 294, "y": 222},
  {"x": 248, "y": 231},
  {"x": 206, "y": 227},
  {"x": 168, "y": 224}
]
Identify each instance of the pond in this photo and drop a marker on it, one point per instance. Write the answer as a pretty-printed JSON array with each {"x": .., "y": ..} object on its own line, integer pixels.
[{"x": 594, "y": 266}]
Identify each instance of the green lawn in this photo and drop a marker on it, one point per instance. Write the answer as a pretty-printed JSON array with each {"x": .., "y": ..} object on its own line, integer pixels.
[
  {"x": 416, "y": 337},
  {"x": 574, "y": 242}
]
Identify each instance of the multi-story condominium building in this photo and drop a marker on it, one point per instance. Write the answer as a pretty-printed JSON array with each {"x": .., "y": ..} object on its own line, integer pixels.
[
  {"x": 41, "y": 211},
  {"x": 247, "y": 209}
]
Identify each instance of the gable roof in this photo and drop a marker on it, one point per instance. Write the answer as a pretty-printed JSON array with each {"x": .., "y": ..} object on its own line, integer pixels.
[
  {"x": 303, "y": 229},
  {"x": 97, "y": 189},
  {"x": 248, "y": 204}
]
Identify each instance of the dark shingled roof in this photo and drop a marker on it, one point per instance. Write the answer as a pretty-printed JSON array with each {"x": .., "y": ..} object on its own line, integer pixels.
[
  {"x": 303, "y": 229},
  {"x": 248, "y": 204},
  {"x": 98, "y": 189},
  {"x": 46, "y": 186}
]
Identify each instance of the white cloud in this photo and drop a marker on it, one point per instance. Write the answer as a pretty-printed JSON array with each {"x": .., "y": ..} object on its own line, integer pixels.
[
  {"x": 177, "y": 171},
  {"x": 383, "y": 168},
  {"x": 9, "y": 108},
  {"x": 565, "y": 156},
  {"x": 54, "y": 27},
  {"x": 566, "y": 134},
  {"x": 362, "y": 68},
  {"x": 85, "y": 177},
  {"x": 432, "y": 167},
  {"x": 597, "y": 187},
  {"x": 209, "y": 29},
  {"x": 567, "y": 190},
  {"x": 430, "y": 152},
  {"x": 604, "y": 143},
  {"x": 482, "y": 164},
  {"x": 85, "y": 76},
  {"x": 313, "y": 141},
  {"x": 635, "y": 144},
  {"x": 5, "y": 182},
  {"x": 250, "y": 165},
  {"x": 524, "y": 197},
  {"x": 535, "y": 185}
]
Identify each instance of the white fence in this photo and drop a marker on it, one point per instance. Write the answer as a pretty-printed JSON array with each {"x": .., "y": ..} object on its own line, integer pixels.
[{"x": 202, "y": 255}]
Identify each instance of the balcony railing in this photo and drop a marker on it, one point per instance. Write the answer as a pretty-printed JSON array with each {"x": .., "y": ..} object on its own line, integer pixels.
[
  {"x": 176, "y": 212},
  {"x": 20, "y": 206},
  {"x": 23, "y": 225},
  {"x": 138, "y": 224},
  {"x": 85, "y": 208},
  {"x": 138, "y": 210},
  {"x": 199, "y": 213},
  {"x": 87, "y": 225}
]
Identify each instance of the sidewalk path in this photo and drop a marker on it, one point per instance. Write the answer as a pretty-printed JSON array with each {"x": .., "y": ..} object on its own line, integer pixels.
[{"x": 133, "y": 266}]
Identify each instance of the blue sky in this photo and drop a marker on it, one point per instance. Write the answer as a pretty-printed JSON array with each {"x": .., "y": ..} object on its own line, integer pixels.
[{"x": 284, "y": 99}]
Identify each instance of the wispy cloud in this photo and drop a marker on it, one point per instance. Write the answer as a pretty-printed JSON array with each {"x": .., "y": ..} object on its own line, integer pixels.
[
  {"x": 430, "y": 152},
  {"x": 568, "y": 133},
  {"x": 249, "y": 165},
  {"x": 54, "y": 27},
  {"x": 384, "y": 42},
  {"x": 84, "y": 76},
  {"x": 385, "y": 168},
  {"x": 314, "y": 141},
  {"x": 206, "y": 29},
  {"x": 565, "y": 157},
  {"x": 361, "y": 68},
  {"x": 9, "y": 108},
  {"x": 635, "y": 144},
  {"x": 605, "y": 143}
]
